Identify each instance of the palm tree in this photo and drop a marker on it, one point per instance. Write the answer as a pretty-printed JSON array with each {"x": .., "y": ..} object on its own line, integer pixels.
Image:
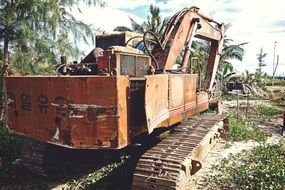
[
  {"x": 153, "y": 23},
  {"x": 38, "y": 29},
  {"x": 135, "y": 27},
  {"x": 225, "y": 67},
  {"x": 230, "y": 52},
  {"x": 201, "y": 55}
]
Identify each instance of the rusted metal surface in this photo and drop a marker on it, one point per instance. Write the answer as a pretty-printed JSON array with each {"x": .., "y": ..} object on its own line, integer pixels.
[
  {"x": 202, "y": 101},
  {"x": 179, "y": 32},
  {"x": 213, "y": 60},
  {"x": 156, "y": 101},
  {"x": 170, "y": 164},
  {"x": 80, "y": 112},
  {"x": 94, "y": 112},
  {"x": 190, "y": 88},
  {"x": 93, "y": 55},
  {"x": 176, "y": 98}
]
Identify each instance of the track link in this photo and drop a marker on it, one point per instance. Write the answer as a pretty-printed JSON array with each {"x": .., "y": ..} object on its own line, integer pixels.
[
  {"x": 44, "y": 159},
  {"x": 32, "y": 156},
  {"x": 169, "y": 164}
]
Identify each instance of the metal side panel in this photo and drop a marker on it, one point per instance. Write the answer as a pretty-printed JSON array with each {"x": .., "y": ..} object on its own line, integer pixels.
[
  {"x": 156, "y": 101},
  {"x": 176, "y": 98},
  {"x": 202, "y": 101},
  {"x": 123, "y": 104},
  {"x": 75, "y": 111},
  {"x": 190, "y": 87}
]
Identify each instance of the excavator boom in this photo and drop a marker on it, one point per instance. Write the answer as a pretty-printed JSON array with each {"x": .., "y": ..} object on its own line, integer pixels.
[{"x": 178, "y": 36}]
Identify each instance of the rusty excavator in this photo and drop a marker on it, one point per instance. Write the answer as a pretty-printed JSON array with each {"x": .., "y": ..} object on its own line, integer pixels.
[{"x": 119, "y": 92}]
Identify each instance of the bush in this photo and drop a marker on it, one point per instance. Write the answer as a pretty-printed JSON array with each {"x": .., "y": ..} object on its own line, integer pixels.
[
  {"x": 239, "y": 130},
  {"x": 266, "y": 112},
  {"x": 261, "y": 168},
  {"x": 10, "y": 145},
  {"x": 10, "y": 148}
]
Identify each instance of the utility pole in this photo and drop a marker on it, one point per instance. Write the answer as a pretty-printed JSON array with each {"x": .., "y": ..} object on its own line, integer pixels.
[
  {"x": 277, "y": 62},
  {"x": 273, "y": 62}
]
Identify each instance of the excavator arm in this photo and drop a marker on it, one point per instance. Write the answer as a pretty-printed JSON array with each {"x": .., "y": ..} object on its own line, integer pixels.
[{"x": 178, "y": 36}]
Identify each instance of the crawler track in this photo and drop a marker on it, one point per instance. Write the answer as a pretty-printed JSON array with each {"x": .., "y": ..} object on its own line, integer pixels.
[
  {"x": 45, "y": 159},
  {"x": 169, "y": 164},
  {"x": 32, "y": 156},
  {"x": 166, "y": 166}
]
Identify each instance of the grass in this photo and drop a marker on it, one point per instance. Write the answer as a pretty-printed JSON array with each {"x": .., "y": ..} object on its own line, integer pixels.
[
  {"x": 277, "y": 82},
  {"x": 266, "y": 112},
  {"x": 231, "y": 97},
  {"x": 89, "y": 180},
  {"x": 261, "y": 168},
  {"x": 239, "y": 130},
  {"x": 78, "y": 176}
]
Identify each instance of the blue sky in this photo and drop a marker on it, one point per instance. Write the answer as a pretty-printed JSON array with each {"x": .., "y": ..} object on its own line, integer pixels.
[{"x": 261, "y": 23}]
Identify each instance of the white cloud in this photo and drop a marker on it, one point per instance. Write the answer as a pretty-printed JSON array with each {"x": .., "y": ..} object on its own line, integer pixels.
[
  {"x": 128, "y": 4},
  {"x": 105, "y": 19}
]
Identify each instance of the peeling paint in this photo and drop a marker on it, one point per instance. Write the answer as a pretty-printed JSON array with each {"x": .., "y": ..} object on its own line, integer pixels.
[
  {"x": 77, "y": 115},
  {"x": 56, "y": 135}
]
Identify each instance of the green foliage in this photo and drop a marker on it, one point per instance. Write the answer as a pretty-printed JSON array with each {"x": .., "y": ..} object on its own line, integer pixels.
[
  {"x": 38, "y": 32},
  {"x": 153, "y": 23},
  {"x": 260, "y": 58},
  {"x": 230, "y": 52},
  {"x": 10, "y": 148},
  {"x": 266, "y": 112},
  {"x": 88, "y": 181},
  {"x": 200, "y": 57},
  {"x": 231, "y": 97},
  {"x": 277, "y": 82},
  {"x": 10, "y": 145},
  {"x": 22, "y": 64},
  {"x": 261, "y": 168},
  {"x": 239, "y": 130}
]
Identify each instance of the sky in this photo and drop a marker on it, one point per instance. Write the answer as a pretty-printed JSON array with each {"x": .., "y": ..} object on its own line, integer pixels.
[{"x": 261, "y": 23}]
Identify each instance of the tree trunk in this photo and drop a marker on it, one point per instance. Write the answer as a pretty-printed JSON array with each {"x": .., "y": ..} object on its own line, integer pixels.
[
  {"x": 4, "y": 69},
  {"x": 6, "y": 56}
]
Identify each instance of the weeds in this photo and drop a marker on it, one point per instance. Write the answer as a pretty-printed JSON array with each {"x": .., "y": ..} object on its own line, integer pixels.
[
  {"x": 10, "y": 148},
  {"x": 261, "y": 168},
  {"x": 231, "y": 97},
  {"x": 266, "y": 112},
  {"x": 239, "y": 130},
  {"x": 89, "y": 180}
]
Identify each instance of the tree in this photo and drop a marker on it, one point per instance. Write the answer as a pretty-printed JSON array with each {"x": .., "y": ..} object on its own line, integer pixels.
[
  {"x": 135, "y": 27},
  {"x": 34, "y": 33},
  {"x": 230, "y": 52},
  {"x": 153, "y": 23},
  {"x": 260, "y": 58},
  {"x": 225, "y": 67},
  {"x": 39, "y": 31}
]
